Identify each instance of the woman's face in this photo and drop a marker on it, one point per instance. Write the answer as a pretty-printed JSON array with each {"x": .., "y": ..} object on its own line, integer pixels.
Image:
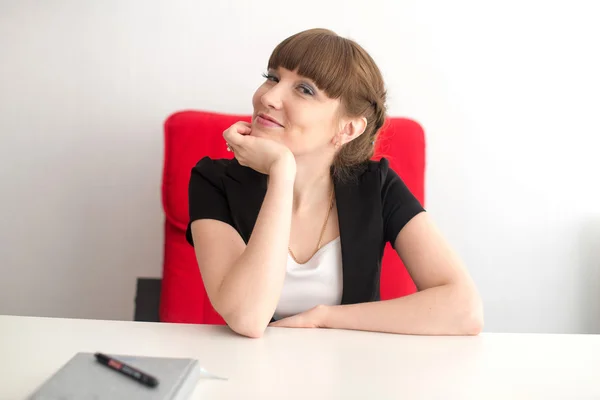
[{"x": 290, "y": 109}]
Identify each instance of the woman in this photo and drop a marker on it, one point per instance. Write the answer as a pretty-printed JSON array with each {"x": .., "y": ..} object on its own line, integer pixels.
[{"x": 291, "y": 232}]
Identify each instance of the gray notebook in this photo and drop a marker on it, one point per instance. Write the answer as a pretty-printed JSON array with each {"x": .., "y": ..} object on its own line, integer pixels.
[{"x": 82, "y": 378}]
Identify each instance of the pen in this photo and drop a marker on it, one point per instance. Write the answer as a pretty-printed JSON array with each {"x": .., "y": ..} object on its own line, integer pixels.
[{"x": 127, "y": 370}]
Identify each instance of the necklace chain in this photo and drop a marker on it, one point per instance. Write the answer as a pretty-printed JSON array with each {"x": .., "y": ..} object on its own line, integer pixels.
[{"x": 322, "y": 230}]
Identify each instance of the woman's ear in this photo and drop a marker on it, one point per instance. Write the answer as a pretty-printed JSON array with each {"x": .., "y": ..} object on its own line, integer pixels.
[{"x": 353, "y": 128}]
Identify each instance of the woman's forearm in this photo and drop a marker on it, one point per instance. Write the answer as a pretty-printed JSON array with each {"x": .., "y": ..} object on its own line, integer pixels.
[
  {"x": 444, "y": 310},
  {"x": 252, "y": 288}
]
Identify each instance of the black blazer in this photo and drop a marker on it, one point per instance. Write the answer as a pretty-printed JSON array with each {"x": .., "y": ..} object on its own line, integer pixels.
[{"x": 372, "y": 209}]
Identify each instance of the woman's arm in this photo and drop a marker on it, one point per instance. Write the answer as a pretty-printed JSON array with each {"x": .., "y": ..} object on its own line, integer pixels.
[
  {"x": 447, "y": 302},
  {"x": 244, "y": 282}
]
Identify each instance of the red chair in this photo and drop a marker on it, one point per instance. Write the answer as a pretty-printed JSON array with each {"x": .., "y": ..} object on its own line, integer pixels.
[{"x": 191, "y": 135}]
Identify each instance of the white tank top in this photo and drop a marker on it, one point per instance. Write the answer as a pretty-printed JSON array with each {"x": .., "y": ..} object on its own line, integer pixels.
[{"x": 318, "y": 281}]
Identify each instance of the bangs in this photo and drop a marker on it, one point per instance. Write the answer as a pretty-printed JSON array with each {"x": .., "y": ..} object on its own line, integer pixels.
[{"x": 319, "y": 55}]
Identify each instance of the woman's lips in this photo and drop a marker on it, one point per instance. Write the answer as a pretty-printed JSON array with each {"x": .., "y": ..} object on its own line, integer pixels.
[{"x": 266, "y": 122}]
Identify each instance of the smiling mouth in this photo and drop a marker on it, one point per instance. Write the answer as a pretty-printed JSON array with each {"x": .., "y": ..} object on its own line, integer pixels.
[{"x": 267, "y": 121}]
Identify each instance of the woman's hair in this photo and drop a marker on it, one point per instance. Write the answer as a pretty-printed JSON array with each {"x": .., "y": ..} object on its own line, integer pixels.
[{"x": 343, "y": 70}]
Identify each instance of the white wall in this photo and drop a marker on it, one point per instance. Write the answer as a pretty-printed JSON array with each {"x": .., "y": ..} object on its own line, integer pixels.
[{"x": 507, "y": 92}]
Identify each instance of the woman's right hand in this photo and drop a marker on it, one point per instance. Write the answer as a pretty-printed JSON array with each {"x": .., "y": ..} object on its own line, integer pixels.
[{"x": 260, "y": 154}]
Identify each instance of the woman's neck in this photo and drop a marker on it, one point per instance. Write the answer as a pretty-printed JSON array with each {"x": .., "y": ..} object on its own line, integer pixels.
[{"x": 313, "y": 184}]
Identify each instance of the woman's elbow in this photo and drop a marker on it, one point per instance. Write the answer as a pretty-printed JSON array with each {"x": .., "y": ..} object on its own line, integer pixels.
[
  {"x": 472, "y": 320},
  {"x": 245, "y": 322},
  {"x": 251, "y": 327},
  {"x": 249, "y": 331}
]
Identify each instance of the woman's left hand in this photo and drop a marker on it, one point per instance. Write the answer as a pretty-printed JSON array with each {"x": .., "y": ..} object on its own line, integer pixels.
[{"x": 313, "y": 318}]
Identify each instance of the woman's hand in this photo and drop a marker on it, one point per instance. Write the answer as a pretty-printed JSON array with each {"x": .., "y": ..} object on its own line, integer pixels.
[
  {"x": 313, "y": 318},
  {"x": 260, "y": 154}
]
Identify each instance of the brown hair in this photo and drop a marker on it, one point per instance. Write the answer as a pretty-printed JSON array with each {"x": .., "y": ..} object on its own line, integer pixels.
[{"x": 342, "y": 69}]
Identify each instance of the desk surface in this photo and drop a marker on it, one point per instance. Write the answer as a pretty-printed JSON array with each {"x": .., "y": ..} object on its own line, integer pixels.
[{"x": 316, "y": 364}]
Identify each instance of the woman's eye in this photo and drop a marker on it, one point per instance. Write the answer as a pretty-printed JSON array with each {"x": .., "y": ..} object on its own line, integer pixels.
[
  {"x": 307, "y": 90},
  {"x": 270, "y": 77}
]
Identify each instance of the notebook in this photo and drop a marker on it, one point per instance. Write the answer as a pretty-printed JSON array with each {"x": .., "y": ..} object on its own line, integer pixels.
[{"x": 82, "y": 377}]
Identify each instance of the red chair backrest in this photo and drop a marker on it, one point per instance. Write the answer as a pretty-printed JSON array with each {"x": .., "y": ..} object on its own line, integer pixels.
[{"x": 191, "y": 135}]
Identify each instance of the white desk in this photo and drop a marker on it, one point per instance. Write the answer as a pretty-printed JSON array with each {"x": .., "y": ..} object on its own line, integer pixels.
[{"x": 316, "y": 364}]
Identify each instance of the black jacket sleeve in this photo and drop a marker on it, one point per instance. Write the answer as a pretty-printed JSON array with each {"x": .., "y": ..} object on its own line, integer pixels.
[
  {"x": 206, "y": 194},
  {"x": 399, "y": 205}
]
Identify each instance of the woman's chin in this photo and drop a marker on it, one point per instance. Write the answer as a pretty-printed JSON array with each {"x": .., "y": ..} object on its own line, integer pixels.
[
  {"x": 256, "y": 131},
  {"x": 262, "y": 131}
]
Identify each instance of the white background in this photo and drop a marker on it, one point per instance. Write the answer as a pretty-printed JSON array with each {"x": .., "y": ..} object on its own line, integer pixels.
[{"x": 508, "y": 93}]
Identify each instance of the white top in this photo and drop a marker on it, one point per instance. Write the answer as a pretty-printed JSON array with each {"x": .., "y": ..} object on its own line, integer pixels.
[
  {"x": 315, "y": 363},
  {"x": 316, "y": 282}
]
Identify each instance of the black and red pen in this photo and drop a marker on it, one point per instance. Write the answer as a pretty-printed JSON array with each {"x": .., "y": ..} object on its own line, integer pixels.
[{"x": 127, "y": 370}]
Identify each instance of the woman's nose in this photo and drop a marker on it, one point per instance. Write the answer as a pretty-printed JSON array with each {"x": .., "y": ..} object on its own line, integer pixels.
[{"x": 272, "y": 98}]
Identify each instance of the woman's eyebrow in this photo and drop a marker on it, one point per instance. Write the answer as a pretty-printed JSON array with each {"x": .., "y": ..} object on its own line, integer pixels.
[
  {"x": 312, "y": 83},
  {"x": 299, "y": 78}
]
